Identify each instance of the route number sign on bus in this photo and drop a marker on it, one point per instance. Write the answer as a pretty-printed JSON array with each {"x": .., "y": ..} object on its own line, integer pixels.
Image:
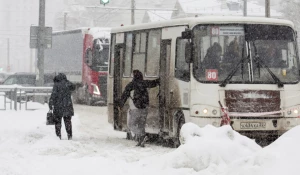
[
  {"x": 227, "y": 31},
  {"x": 211, "y": 74}
]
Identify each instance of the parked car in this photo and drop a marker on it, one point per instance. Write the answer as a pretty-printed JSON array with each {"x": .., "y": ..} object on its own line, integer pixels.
[
  {"x": 3, "y": 76},
  {"x": 26, "y": 80}
]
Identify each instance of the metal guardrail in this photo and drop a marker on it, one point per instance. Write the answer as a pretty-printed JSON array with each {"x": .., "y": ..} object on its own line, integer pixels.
[{"x": 22, "y": 95}]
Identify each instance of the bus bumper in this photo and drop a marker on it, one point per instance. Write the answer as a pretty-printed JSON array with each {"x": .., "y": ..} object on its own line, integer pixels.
[{"x": 280, "y": 125}]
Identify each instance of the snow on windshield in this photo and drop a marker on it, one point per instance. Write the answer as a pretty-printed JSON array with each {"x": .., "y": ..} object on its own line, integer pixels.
[{"x": 222, "y": 49}]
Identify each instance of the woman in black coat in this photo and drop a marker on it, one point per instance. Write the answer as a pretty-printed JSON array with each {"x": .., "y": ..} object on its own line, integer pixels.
[{"x": 61, "y": 103}]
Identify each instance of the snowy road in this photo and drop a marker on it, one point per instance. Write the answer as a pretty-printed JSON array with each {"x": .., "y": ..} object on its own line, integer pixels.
[
  {"x": 29, "y": 147},
  {"x": 95, "y": 128}
]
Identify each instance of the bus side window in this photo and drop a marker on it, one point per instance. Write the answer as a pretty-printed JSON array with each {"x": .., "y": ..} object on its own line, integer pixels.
[
  {"x": 182, "y": 68},
  {"x": 139, "y": 54},
  {"x": 153, "y": 53},
  {"x": 112, "y": 53},
  {"x": 137, "y": 41},
  {"x": 143, "y": 42},
  {"x": 128, "y": 55}
]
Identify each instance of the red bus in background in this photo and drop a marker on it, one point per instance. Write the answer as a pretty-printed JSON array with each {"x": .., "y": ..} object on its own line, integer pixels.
[{"x": 82, "y": 55}]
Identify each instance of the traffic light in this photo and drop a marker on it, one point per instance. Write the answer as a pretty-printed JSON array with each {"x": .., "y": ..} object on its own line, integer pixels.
[{"x": 104, "y": 2}]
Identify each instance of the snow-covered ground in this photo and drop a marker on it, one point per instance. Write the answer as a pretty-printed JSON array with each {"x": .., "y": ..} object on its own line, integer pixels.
[{"x": 29, "y": 147}]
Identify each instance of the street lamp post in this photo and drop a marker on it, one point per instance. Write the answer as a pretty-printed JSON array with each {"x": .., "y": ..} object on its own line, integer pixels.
[
  {"x": 41, "y": 42},
  {"x": 65, "y": 20},
  {"x": 245, "y": 7},
  {"x": 8, "y": 61},
  {"x": 267, "y": 2},
  {"x": 132, "y": 11}
]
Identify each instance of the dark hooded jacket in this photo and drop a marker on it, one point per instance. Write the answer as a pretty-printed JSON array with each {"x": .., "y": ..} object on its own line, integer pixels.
[
  {"x": 61, "y": 96},
  {"x": 140, "y": 97}
]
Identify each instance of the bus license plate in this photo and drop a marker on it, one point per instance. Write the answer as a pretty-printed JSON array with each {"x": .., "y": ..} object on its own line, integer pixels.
[{"x": 253, "y": 125}]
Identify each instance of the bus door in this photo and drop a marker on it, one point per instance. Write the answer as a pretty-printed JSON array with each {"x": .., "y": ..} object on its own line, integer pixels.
[
  {"x": 117, "y": 87},
  {"x": 165, "y": 56}
]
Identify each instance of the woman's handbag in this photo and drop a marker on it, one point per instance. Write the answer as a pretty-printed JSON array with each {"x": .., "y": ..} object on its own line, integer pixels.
[{"x": 50, "y": 118}]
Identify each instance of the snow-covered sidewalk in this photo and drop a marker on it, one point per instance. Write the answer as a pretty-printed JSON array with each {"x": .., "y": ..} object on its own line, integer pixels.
[{"x": 29, "y": 147}]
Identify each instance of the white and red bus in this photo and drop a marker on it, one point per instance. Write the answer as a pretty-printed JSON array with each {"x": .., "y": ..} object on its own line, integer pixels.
[
  {"x": 82, "y": 54},
  {"x": 250, "y": 65}
]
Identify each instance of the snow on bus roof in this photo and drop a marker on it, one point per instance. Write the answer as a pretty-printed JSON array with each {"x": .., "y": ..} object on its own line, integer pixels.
[
  {"x": 191, "y": 22},
  {"x": 99, "y": 32}
]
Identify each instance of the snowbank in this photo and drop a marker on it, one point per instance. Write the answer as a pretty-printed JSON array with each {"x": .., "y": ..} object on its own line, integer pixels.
[
  {"x": 212, "y": 150},
  {"x": 209, "y": 148},
  {"x": 280, "y": 157},
  {"x": 26, "y": 143}
]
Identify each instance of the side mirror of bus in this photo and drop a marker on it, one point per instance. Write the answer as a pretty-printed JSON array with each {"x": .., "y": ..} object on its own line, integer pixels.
[{"x": 188, "y": 52}]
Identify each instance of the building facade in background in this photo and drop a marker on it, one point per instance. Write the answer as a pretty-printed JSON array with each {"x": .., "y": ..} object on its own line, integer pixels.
[
  {"x": 186, "y": 8},
  {"x": 192, "y": 8}
]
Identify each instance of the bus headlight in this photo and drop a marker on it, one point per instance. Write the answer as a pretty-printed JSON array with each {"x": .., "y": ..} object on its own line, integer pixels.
[
  {"x": 198, "y": 110},
  {"x": 292, "y": 111}
]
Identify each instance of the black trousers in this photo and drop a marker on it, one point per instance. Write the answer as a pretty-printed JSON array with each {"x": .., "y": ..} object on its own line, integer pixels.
[{"x": 68, "y": 125}]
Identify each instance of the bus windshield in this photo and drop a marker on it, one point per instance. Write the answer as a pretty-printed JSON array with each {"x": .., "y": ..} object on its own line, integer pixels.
[
  {"x": 251, "y": 53},
  {"x": 100, "y": 55}
]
